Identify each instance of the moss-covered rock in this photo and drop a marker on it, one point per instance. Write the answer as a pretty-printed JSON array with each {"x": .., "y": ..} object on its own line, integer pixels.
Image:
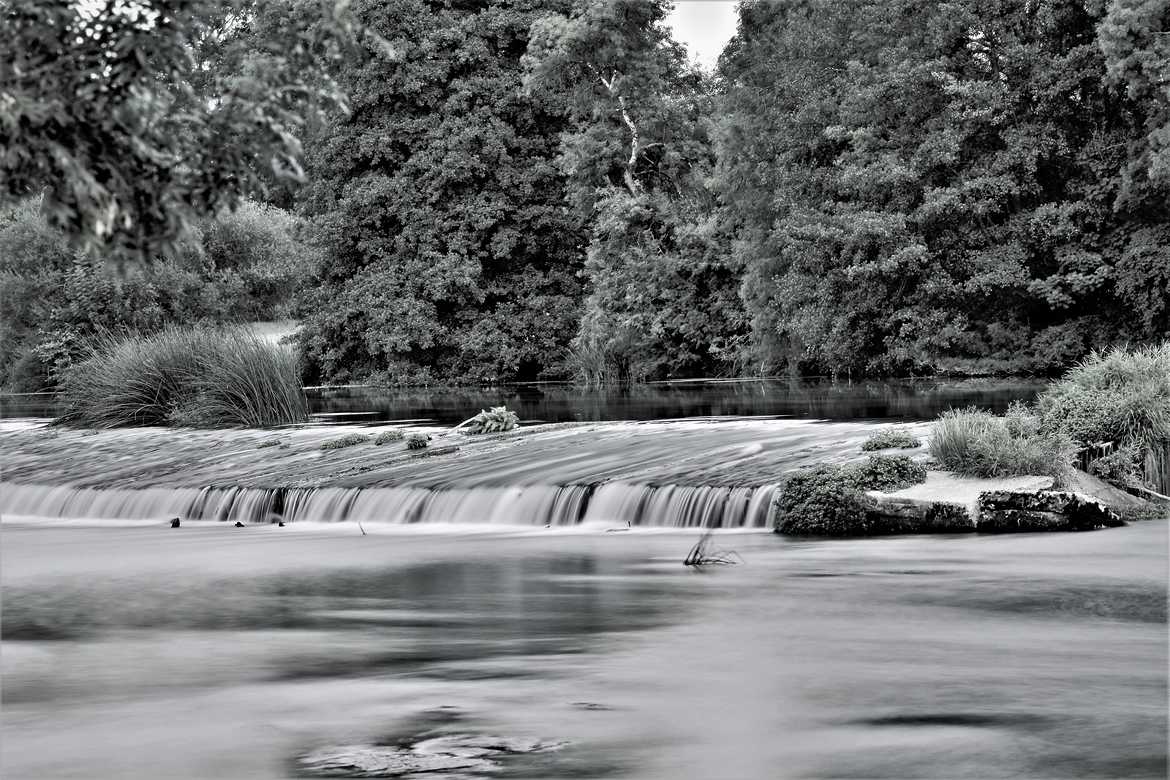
[
  {"x": 829, "y": 500},
  {"x": 1043, "y": 510}
]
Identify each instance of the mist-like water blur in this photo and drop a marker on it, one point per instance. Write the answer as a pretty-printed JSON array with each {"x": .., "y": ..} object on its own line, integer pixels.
[{"x": 132, "y": 652}]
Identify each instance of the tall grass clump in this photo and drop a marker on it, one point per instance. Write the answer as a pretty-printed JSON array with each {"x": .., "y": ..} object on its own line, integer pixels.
[
  {"x": 193, "y": 377},
  {"x": 1119, "y": 398},
  {"x": 980, "y": 444}
]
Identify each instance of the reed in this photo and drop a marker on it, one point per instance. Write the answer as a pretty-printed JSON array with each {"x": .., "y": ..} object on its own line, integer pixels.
[{"x": 189, "y": 377}]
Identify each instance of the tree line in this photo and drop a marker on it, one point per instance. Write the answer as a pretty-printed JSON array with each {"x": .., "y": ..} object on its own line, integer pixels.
[{"x": 519, "y": 189}]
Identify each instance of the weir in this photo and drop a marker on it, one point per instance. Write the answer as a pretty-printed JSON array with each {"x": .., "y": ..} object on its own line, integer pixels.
[
  {"x": 714, "y": 473},
  {"x": 612, "y": 504}
]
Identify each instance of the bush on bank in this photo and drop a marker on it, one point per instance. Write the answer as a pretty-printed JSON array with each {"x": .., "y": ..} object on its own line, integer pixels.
[
  {"x": 827, "y": 500},
  {"x": 236, "y": 266},
  {"x": 190, "y": 377},
  {"x": 1120, "y": 399}
]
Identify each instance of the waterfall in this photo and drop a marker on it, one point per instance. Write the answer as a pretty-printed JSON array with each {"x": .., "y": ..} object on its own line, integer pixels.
[{"x": 609, "y": 503}]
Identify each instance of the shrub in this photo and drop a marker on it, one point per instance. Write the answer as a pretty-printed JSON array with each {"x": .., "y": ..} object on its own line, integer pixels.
[
  {"x": 891, "y": 438},
  {"x": 1121, "y": 396},
  {"x": 417, "y": 441},
  {"x": 980, "y": 444},
  {"x": 385, "y": 437},
  {"x": 348, "y": 440},
  {"x": 495, "y": 420},
  {"x": 827, "y": 500},
  {"x": 1120, "y": 467},
  {"x": 887, "y": 473},
  {"x": 200, "y": 377}
]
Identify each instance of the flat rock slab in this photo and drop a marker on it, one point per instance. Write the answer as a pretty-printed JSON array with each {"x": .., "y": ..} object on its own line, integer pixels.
[
  {"x": 943, "y": 487},
  {"x": 1003, "y": 511}
]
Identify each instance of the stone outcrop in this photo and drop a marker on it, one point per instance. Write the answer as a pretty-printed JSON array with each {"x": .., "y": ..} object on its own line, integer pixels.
[
  {"x": 1003, "y": 511},
  {"x": 894, "y": 514}
]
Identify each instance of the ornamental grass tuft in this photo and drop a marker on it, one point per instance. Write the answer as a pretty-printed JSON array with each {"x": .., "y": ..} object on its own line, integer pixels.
[
  {"x": 198, "y": 377},
  {"x": 976, "y": 443}
]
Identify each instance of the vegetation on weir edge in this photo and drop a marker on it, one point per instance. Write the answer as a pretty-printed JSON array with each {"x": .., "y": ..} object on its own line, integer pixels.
[
  {"x": 827, "y": 500},
  {"x": 348, "y": 440},
  {"x": 192, "y": 377},
  {"x": 891, "y": 438},
  {"x": 963, "y": 188}
]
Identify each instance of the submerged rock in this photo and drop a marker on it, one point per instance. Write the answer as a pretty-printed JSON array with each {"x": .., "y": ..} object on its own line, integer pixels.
[{"x": 462, "y": 753}]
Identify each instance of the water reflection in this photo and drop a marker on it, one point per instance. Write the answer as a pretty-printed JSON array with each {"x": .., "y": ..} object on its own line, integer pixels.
[
  {"x": 911, "y": 399},
  {"x": 901, "y": 399}
]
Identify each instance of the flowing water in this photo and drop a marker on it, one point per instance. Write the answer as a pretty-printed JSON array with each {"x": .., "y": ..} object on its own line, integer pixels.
[
  {"x": 219, "y": 652},
  {"x": 448, "y": 630}
]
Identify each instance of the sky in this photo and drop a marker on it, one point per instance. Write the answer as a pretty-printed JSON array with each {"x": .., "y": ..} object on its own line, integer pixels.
[{"x": 705, "y": 26}]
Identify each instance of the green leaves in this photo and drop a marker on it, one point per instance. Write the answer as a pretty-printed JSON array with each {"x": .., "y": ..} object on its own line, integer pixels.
[{"x": 132, "y": 120}]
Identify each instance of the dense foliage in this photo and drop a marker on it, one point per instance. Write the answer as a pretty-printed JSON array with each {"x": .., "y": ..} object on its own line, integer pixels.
[
  {"x": 637, "y": 157},
  {"x": 522, "y": 189},
  {"x": 450, "y": 253},
  {"x": 960, "y": 185},
  {"x": 54, "y": 299}
]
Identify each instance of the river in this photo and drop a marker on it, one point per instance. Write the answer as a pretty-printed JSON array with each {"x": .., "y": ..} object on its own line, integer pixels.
[{"x": 264, "y": 652}]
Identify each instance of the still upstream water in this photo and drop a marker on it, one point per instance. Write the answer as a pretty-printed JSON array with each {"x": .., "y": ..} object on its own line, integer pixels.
[
  {"x": 265, "y": 652},
  {"x": 912, "y": 399}
]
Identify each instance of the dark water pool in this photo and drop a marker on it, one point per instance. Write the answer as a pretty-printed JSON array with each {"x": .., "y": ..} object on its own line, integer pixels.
[
  {"x": 908, "y": 399},
  {"x": 903, "y": 399}
]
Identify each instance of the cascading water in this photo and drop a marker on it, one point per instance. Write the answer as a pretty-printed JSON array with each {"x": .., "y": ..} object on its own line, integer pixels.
[
  {"x": 709, "y": 473},
  {"x": 612, "y": 504}
]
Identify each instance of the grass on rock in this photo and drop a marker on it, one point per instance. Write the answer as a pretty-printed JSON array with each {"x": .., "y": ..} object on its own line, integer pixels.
[
  {"x": 386, "y": 437},
  {"x": 891, "y": 438},
  {"x": 348, "y": 440},
  {"x": 190, "y": 377},
  {"x": 976, "y": 443}
]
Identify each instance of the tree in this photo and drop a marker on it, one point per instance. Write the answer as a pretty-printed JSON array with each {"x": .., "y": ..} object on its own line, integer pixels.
[
  {"x": 636, "y": 155},
  {"x": 1134, "y": 36},
  {"x": 132, "y": 116},
  {"x": 449, "y": 253},
  {"x": 941, "y": 185}
]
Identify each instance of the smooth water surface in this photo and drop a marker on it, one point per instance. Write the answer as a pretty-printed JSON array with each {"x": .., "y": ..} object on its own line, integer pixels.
[
  {"x": 908, "y": 399},
  {"x": 222, "y": 652}
]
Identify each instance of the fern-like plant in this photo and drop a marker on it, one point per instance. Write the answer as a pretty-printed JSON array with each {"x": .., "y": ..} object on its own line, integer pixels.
[{"x": 495, "y": 420}]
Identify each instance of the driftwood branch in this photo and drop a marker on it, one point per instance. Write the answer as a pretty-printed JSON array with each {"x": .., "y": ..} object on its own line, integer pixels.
[{"x": 704, "y": 554}]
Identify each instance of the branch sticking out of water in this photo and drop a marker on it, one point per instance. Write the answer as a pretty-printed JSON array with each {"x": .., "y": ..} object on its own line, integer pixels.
[{"x": 706, "y": 554}]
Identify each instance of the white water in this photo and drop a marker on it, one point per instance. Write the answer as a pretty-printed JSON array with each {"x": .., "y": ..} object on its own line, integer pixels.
[
  {"x": 713, "y": 473},
  {"x": 615, "y": 503}
]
